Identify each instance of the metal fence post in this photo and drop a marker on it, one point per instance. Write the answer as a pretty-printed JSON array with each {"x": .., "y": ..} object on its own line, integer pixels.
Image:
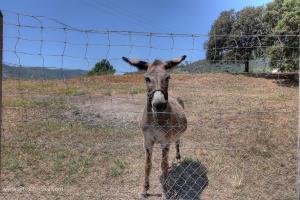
[
  {"x": 1, "y": 74},
  {"x": 298, "y": 173}
]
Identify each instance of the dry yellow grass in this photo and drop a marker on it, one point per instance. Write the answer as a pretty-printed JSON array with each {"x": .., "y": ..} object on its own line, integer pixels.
[{"x": 81, "y": 137}]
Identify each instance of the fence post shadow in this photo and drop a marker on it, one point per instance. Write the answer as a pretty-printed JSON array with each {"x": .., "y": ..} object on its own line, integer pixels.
[{"x": 186, "y": 180}]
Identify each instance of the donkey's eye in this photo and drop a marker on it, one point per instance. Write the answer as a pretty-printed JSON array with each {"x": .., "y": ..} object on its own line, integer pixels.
[{"x": 147, "y": 79}]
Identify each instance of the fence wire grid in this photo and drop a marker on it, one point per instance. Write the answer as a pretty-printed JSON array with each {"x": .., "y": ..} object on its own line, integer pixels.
[{"x": 74, "y": 136}]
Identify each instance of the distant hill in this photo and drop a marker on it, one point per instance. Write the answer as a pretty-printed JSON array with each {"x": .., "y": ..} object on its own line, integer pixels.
[
  {"x": 39, "y": 73},
  {"x": 203, "y": 66}
]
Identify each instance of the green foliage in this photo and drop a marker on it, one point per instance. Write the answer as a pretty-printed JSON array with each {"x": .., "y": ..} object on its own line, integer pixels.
[
  {"x": 218, "y": 36},
  {"x": 72, "y": 91},
  {"x": 246, "y": 29},
  {"x": 222, "y": 48},
  {"x": 117, "y": 168},
  {"x": 101, "y": 68},
  {"x": 283, "y": 18},
  {"x": 289, "y": 16},
  {"x": 249, "y": 22}
]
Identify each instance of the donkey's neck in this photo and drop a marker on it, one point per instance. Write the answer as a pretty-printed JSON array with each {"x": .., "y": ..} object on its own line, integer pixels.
[{"x": 161, "y": 118}]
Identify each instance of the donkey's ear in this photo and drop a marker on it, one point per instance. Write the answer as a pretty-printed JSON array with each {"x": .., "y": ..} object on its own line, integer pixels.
[
  {"x": 174, "y": 62},
  {"x": 137, "y": 63}
]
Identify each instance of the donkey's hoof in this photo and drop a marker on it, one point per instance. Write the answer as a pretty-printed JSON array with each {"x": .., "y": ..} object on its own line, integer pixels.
[{"x": 143, "y": 195}]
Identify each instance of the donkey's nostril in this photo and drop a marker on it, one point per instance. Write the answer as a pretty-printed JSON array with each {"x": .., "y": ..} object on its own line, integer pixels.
[{"x": 160, "y": 106}]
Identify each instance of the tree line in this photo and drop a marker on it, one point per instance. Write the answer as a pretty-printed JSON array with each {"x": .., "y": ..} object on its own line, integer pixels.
[{"x": 270, "y": 31}]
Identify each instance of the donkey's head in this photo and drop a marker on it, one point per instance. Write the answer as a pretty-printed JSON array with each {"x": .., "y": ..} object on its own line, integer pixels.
[{"x": 157, "y": 80}]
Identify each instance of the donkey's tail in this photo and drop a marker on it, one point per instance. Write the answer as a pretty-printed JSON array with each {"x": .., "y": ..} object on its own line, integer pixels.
[{"x": 180, "y": 101}]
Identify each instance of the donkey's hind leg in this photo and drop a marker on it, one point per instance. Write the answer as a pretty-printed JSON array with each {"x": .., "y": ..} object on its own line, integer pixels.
[{"x": 177, "y": 144}]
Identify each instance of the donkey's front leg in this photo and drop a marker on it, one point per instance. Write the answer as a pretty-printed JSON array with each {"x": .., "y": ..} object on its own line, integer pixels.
[
  {"x": 164, "y": 160},
  {"x": 165, "y": 167},
  {"x": 148, "y": 166}
]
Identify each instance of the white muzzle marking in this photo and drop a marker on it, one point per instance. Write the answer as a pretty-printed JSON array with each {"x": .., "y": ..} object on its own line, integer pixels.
[{"x": 158, "y": 97}]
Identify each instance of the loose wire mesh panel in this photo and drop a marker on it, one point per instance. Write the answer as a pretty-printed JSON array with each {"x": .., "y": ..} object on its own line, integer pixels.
[{"x": 67, "y": 135}]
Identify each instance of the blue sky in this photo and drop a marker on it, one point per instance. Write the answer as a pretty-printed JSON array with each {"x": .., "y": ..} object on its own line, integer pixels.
[{"x": 165, "y": 16}]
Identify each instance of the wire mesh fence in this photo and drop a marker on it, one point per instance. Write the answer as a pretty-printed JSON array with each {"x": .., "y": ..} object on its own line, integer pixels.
[{"x": 69, "y": 135}]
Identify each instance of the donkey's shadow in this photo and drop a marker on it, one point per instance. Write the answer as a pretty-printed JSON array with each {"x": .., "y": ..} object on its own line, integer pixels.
[{"x": 186, "y": 180}]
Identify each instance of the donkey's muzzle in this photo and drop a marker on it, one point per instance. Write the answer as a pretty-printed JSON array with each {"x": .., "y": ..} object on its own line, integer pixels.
[
  {"x": 158, "y": 101},
  {"x": 160, "y": 106}
]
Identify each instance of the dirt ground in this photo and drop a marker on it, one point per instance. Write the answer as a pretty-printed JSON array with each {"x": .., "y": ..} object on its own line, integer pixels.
[{"x": 80, "y": 139}]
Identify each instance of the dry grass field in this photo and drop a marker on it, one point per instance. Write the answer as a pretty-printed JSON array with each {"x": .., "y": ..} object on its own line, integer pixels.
[{"x": 79, "y": 139}]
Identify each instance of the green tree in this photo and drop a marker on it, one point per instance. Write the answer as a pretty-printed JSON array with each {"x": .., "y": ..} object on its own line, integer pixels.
[
  {"x": 283, "y": 18},
  {"x": 217, "y": 46},
  {"x": 247, "y": 31},
  {"x": 269, "y": 32},
  {"x": 273, "y": 13},
  {"x": 102, "y": 67},
  {"x": 234, "y": 37}
]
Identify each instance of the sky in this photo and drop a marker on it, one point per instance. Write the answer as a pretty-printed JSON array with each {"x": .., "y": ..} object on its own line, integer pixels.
[{"x": 54, "y": 46}]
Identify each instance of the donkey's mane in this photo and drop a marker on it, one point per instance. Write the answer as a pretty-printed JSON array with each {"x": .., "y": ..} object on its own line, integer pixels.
[{"x": 157, "y": 62}]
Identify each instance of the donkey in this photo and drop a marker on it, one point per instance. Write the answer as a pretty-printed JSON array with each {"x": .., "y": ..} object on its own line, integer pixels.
[{"x": 163, "y": 119}]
